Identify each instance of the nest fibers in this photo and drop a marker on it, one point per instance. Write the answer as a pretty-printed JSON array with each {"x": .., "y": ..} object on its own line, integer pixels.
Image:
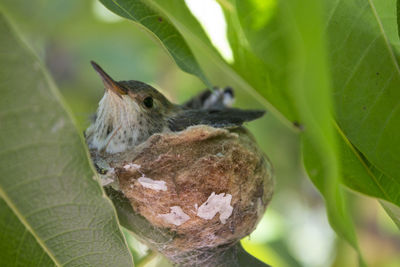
[{"x": 202, "y": 190}]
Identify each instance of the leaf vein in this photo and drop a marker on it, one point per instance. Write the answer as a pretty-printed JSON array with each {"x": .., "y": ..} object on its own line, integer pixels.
[{"x": 388, "y": 45}]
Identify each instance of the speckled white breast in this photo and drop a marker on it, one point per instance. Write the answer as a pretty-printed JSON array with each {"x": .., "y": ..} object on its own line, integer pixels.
[{"x": 116, "y": 128}]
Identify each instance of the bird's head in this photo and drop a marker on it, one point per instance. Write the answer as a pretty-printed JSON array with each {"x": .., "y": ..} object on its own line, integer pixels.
[{"x": 128, "y": 113}]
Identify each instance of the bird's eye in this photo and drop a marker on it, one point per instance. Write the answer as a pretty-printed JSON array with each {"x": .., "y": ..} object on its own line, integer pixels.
[{"x": 148, "y": 102}]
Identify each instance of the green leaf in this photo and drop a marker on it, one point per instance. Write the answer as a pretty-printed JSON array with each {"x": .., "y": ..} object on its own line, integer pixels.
[
  {"x": 266, "y": 41},
  {"x": 47, "y": 181},
  {"x": 398, "y": 16},
  {"x": 163, "y": 30},
  {"x": 364, "y": 46},
  {"x": 19, "y": 247},
  {"x": 275, "y": 51},
  {"x": 251, "y": 67},
  {"x": 360, "y": 175},
  {"x": 289, "y": 40}
]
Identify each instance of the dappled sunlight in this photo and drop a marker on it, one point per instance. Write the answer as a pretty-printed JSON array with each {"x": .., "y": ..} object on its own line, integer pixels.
[
  {"x": 211, "y": 17},
  {"x": 104, "y": 14}
]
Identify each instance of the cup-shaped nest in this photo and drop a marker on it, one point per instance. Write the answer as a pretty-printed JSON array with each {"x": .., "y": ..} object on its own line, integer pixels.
[{"x": 192, "y": 193}]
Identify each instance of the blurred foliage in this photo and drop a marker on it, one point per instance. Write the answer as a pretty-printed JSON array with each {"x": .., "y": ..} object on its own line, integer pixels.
[{"x": 294, "y": 231}]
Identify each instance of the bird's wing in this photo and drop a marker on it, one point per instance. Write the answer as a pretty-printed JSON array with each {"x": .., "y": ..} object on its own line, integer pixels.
[
  {"x": 219, "y": 118},
  {"x": 216, "y": 99}
]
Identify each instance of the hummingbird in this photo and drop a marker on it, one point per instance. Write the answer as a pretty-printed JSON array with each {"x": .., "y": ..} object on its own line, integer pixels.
[{"x": 132, "y": 111}]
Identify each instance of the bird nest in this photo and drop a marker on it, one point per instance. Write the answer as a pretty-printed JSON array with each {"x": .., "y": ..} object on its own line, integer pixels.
[{"x": 192, "y": 194}]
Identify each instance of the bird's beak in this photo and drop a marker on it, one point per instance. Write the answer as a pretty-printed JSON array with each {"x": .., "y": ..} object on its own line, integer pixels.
[{"x": 108, "y": 82}]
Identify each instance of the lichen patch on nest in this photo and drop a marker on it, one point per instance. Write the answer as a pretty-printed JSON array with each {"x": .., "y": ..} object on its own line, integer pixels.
[
  {"x": 220, "y": 203},
  {"x": 177, "y": 216},
  {"x": 131, "y": 166},
  {"x": 153, "y": 184}
]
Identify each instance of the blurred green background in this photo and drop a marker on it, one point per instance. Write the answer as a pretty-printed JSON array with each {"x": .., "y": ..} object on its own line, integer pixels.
[{"x": 294, "y": 231}]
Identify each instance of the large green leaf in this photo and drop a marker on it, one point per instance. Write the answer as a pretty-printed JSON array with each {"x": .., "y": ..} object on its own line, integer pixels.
[
  {"x": 140, "y": 12},
  {"x": 55, "y": 207},
  {"x": 273, "y": 45},
  {"x": 289, "y": 41},
  {"x": 366, "y": 79}
]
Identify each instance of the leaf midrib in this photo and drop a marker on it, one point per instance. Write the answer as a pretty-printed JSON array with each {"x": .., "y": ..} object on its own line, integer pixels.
[
  {"x": 388, "y": 45},
  {"x": 23, "y": 220}
]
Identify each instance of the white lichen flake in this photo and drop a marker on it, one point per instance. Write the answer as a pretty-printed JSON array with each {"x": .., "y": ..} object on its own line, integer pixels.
[
  {"x": 176, "y": 216},
  {"x": 131, "y": 166},
  {"x": 216, "y": 203},
  {"x": 153, "y": 184}
]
